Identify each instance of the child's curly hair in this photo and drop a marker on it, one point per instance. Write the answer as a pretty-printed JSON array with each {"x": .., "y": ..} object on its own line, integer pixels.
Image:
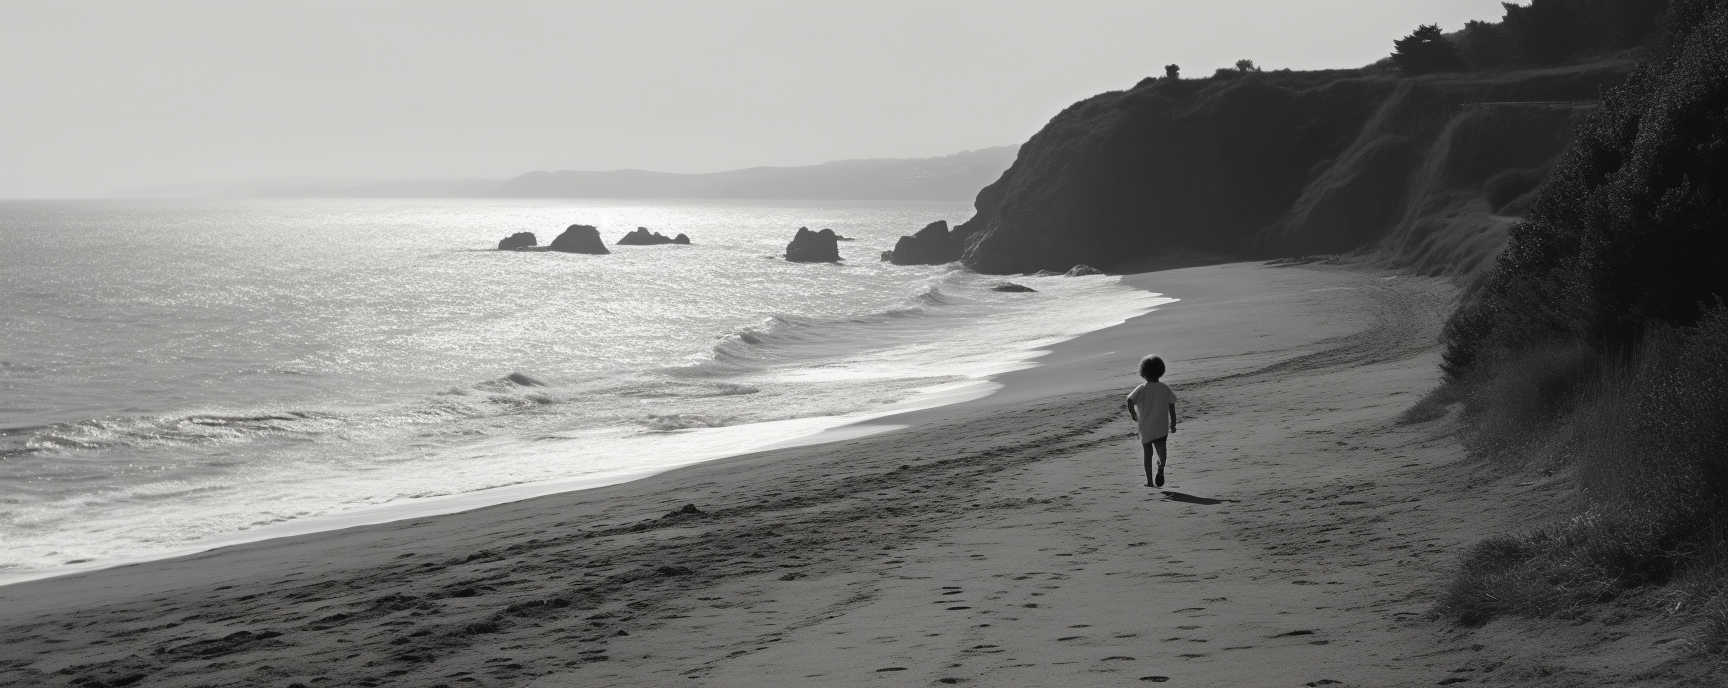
[{"x": 1151, "y": 368}]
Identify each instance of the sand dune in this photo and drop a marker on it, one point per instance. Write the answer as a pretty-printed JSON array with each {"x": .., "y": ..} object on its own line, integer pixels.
[{"x": 1005, "y": 541}]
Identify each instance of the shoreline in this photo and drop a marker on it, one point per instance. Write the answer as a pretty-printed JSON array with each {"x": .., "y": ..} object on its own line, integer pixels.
[
  {"x": 756, "y": 437},
  {"x": 1003, "y": 541},
  {"x": 446, "y": 505}
]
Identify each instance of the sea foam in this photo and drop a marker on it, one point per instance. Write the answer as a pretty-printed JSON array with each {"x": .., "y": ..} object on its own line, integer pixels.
[{"x": 221, "y": 372}]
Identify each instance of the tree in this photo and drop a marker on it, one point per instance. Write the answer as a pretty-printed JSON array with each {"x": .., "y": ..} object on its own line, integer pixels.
[
  {"x": 1550, "y": 31},
  {"x": 1246, "y": 66},
  {"x": 1485, "y": 45},
  {"x": 1426, "y": 51},
  {"x": 1172, "y": 71},
  {"x": 1547, "y": 31}
]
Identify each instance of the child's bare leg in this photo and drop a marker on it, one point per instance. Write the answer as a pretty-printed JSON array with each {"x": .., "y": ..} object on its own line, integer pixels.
[
  {"x": 1157, "y": 479},
  {"x": 1150, "y": 470}
]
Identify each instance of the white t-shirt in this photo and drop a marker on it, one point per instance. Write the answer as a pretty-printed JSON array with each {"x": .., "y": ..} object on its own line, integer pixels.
[{"x": 1152, "y": 402}]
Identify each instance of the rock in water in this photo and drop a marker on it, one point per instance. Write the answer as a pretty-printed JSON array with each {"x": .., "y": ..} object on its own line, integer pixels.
[
  {"x": 681, "y": 239},
  {"x": 518, "y": 240},
  {"x": 579, "y": 239},
  {"x": 814, "y": 247},
  {"x": 932, "y": 245},
  {"x": 1010, "y": 286},
  {"x": 643, "y": 237},
  {"x": 1082, "y": 271}
]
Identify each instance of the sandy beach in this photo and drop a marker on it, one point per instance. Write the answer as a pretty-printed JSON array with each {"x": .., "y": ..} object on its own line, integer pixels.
[{"x": 1005, "y": 541}]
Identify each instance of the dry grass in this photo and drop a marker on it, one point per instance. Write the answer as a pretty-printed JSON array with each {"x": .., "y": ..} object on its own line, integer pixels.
[
  {"x": 1511, "y": 412},
  {"x": 1432, "y": 405},
  {"x": 1648, "y": 442}
]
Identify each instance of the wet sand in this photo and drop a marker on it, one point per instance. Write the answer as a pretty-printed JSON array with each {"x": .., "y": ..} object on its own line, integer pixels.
[{"x": 1007, "y": 541}]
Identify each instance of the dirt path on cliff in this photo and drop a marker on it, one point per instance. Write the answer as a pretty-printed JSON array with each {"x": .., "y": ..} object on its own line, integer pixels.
[{"x": 1004, "y": 542}]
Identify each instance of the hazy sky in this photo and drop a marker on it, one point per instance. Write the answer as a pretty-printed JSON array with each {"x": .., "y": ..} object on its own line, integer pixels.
[{"x": 97, "y": 95}]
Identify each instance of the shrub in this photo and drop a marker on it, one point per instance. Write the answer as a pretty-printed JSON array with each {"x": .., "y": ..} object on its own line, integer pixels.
[
  {"x": 1655, "y": 440},
  {"x": 1426, "y": 51},
  {"x": 1554, "y": 571},
  {"x": 1627, "y": 230},
  {"x": 1504, "y": 188}
]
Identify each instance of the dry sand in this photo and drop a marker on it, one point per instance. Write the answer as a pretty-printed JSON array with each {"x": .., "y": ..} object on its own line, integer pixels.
[{"x": 1007, "y": 541}]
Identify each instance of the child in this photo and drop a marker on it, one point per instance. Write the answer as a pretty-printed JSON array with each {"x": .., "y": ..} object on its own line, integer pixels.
[{"x": 1152, "y": 404}]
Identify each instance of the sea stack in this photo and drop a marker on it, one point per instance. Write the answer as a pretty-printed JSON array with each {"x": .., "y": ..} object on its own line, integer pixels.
[
  {"x": 932, "y": 245},
  {"x": 579, "y": 239},
  {"x": 643, "y": 237},
  {"x": 518, "y": 240},
  {"x": 681, "y": 239},
  {"x": 814, "y": 247}
]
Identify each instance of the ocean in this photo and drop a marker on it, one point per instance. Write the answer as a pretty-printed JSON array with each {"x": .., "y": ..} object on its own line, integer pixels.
[{"x": 176, "y": 375}]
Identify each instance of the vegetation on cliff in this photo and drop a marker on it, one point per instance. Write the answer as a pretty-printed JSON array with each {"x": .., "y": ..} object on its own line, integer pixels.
[
  {"x": 1542, "y": 33},
  {"x": 1599, "y": 342}
]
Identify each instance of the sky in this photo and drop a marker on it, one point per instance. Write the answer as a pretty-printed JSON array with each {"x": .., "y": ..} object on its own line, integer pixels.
[{"x": 100, "y": 95}]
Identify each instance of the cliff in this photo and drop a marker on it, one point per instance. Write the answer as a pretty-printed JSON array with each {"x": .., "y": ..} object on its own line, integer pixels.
[
  {"x": 1429, "y": 169},
  {"x": 950, "y": 177}
]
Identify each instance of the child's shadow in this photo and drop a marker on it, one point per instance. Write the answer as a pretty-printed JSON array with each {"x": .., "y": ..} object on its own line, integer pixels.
[{"x": 1191, "y": 499}]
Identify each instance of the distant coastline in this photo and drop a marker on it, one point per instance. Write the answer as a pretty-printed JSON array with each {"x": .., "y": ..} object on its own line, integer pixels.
[{"x": 956, "y": 177}]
